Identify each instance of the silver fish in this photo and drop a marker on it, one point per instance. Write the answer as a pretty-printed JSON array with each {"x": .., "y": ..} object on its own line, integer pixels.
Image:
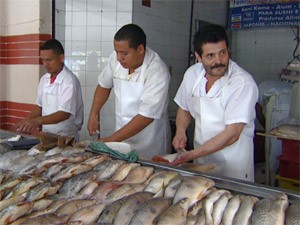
[
  {"x": 149, "y": 210},
  {"x": 11, "y": 201},
  {"x": 71, "y": 171},
  {"x": 44, "y": 219},
  {"x": 139, "y": 174},
  {"x": 109, "y": 213},
  {"x": 219, "y": 207},
  {"x": 72, "y": 185},
  {"x": 172, "y": 187},
  {"x": 95, "y": 160},
  {"x": 242, "y": 217},
  {"x": 292, "y": 215},
  {"x": 160, "y": 181},
  {"x": 44, "y": 189},
  {"x": 87, "y": 215},
  {"x": 122, "y": 172},
  {"x": 130, "y": 206},
  {"x": 193, "y": 188},
  {"x": 231, "y": 209},
  {"x": 103, "y": 189},
  {"x": 110, "y": 169},
  {"x": 208, "y": 204},
  {"x": 88, "y": 189},
  {"x": 122, "y": 191},
  {"x": 175, "y": 214},
  {"x": 13, "y": 212},
  {"x": 70, "y": 207},
  {"x": 270, "y": 210}
]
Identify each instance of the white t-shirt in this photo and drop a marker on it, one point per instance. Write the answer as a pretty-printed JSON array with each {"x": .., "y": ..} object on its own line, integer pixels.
[
  {"x": 239, "y": 99},
  {"x": 153, "y": 73},
  {"x": 67, "y": 94}
]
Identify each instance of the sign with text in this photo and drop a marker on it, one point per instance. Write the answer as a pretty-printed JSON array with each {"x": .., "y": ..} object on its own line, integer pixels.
[{"x": 264, "y": 13}]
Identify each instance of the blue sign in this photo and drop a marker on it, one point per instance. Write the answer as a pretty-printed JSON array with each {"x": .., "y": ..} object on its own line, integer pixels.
[{"x": 273, "y": 14}]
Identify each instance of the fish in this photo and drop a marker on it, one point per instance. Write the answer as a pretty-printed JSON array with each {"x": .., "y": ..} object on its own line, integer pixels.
[
  {"x": 110, "y": 168},
  {"x": 13, "y": 212},
  {"x": 130, "y": 206},
  {"x": 243, "y": 215},
  {"x": 122, "y": 191},
  {"x": 87, "y": 215},
  {"x": 172, "y": 187},
  {"x": 149, "y": 210},
  {"x": 292, "y": 215},
  {"x": 44, "y": 189},
  {"x": 208, "y": 204},
  {"x": 68, "y": 208},
  {"x": 95, "y": 160},
  {"x": 54, "y": 151},
  {"x": 219, "y": 207},
  {"x": 193, "y": 188},
  {"x": 43, "y": 220},
  {"x": 88, "y": 189},
  {"x": 175, "y": 214},
  {"x": 109, "y": 212},
  {"x": 11, "y": 201},
  {"x": 270, "y": 210},
  {"x": 41, "y": 204},
  {"x": 100, "y": 192},
  {"x": 139, "y": 174},
  {"x": 24, "y": 186},
  {"x": 73, "y": 185},
  {"x": 160, "y": 181},
  {"x": 231, "y": 208},
  {"x": 53, "y": 170},
  {"x": 122, "y": 172},
  {"x": 12, "y": 182},
  {"x": 70, "y": 171}
]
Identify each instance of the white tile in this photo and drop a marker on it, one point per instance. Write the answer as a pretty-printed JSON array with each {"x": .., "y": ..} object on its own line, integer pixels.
[
  {"x": 78, "y": 48},
  {"x": 108, "y": 109},
  {"x": 108, "y": 33},
  {"x": 124, "y": 18},
  {"x": 107, "y": 122},
  {"x": 93, "y": 34},
  {"x": 68, "y": 48},
  {"x": 68, "y": 18},
  {"x": 60, "y": 32},
  {"x": 81, "y": 76},
  {"x": 79, "y": 33},
  {"x": 109, "y": 5},
  {"x": 79, "y": 18},
  {"x": 94, "y": 5},
  {"x": 94, "y": 18},
  {"x": 60, "y": 17},
  {"x": 93, "y": 63},
  {"x": 93, "y": 47},
  {"x": 79, "y": 5},
  {"x": 69, "y": 4},
  {"x": 109, "y": 18},
  {"x": 61, "y": 5},
  {"x": 124, "y": 5},
  {"x": 68, "y": 33},
  {"x": 92, "y": 77},
  {"x": 107, "y": 48}
]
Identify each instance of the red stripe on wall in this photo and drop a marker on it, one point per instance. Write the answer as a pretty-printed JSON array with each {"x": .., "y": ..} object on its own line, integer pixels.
[
  {"x": 21, "y": 49},
  {"x": 13, "y": 112}
]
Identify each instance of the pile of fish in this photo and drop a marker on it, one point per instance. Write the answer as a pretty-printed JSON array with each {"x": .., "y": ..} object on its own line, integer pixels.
[{"x": 72, "y": 186}]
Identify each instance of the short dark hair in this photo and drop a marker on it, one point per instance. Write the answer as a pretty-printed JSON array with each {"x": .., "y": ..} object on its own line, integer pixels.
[
  {"x": 211, "y": 33},
  {"x": 53, "y": 45},
  {"x": 133, "y": 34}
]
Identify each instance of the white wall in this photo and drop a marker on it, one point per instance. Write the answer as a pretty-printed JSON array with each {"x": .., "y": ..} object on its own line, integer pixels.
[
  {"x": 86, "y": 28},
  {"x": 263, "y": 51}
]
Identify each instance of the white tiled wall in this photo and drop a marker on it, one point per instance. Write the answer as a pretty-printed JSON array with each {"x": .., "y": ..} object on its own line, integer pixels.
[
  {"x": 86, "y": 28},
  {"x": 263, "y": 52}
]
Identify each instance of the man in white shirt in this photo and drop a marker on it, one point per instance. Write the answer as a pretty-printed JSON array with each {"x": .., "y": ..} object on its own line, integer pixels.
[
  {"x": 59, "y": 101},
  {"x": 221, "y": 97},
  {"x": 140, "y": 80}
]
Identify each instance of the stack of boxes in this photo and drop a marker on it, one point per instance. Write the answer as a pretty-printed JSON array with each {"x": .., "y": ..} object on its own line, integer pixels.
[{"x": 289, "y": 169}]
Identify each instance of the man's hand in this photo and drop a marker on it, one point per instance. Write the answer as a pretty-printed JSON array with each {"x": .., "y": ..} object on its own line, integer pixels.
[
  {"x": 183, "y": 156},
  {"x": 93, "y": 125},
  {"x": 28, "y": 126},
  {"x": 179, "y": 141}
]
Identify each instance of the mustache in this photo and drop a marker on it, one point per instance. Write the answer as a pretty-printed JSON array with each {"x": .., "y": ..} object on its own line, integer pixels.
[{"x": 217, "y": 66}]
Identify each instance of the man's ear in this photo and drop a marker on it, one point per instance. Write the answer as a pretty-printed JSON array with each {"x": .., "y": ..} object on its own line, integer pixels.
[
  {"x": 198, "y": 57},
  {"x": 62, "y": 58},
  {"x": 141, "y": 49}
]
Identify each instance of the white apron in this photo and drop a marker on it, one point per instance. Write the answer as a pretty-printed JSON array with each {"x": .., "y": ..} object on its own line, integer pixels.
[
  {"x": 66, "y": 127},
  {"x": 152, "y": 140},
  {"x": 234, "y": 161}
]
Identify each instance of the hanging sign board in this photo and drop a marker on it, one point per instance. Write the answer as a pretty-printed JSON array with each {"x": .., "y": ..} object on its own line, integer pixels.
[{"x": 264, "y": 13}]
